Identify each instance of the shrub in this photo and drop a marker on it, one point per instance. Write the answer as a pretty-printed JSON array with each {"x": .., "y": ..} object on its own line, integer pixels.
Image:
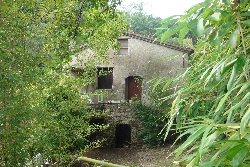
[{"x": 153, "y": 120}]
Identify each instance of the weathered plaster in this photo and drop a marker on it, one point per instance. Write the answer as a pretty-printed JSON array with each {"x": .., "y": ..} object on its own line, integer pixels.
[{"x": 146, "y": 60}]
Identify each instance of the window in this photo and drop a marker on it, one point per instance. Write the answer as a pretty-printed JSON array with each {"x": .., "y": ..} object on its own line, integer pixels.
[
  {"x": 124, "y": 46},
  {"x": 100, "y": 98},
  {"x": 105, "y": 78}
]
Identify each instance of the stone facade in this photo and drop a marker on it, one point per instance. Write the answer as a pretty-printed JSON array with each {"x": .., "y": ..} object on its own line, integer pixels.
[
  {"x": 119, "y": 114},
  {"x": 141, "y": 57}
]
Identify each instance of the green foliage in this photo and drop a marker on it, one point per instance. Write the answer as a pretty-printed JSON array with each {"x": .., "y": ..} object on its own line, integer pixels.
[
  {"x": 153, "y": 122},
  {"x": 213, "y": 103},
  {"x": 141, "y": 22},
  {"x": 40, "y": 106}
]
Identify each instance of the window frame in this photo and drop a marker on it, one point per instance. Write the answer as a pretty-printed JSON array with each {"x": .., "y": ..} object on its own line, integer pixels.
[
  {"x": 105, "y": 81},
  {"x": 123, "y": 46}
]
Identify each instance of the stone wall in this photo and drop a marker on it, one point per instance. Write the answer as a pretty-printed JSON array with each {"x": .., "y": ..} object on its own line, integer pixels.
[
  {"x": 119, "y": 113},
  {"x": 145, "y": 59}
]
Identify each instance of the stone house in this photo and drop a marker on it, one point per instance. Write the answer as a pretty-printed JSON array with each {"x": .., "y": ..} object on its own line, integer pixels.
[{"x": 126, "y": 76}]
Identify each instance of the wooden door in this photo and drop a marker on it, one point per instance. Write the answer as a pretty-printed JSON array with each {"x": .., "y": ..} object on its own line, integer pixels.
[{"x": 134, "y": 87}]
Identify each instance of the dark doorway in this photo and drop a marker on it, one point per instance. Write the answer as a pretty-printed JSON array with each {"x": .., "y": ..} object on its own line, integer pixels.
[
  {"x": 133, "y": 87},
  {"x": 123, "y": 135}
]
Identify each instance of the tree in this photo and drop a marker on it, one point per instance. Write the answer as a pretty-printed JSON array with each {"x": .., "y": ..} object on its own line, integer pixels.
[
  {"x": 141, "y": 22},
  {"x": 41, "y": 112},
  {"x": 212, "y": 106}
]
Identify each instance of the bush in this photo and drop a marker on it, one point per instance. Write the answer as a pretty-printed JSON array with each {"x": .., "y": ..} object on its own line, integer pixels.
[{"x": 153, "y": 120}]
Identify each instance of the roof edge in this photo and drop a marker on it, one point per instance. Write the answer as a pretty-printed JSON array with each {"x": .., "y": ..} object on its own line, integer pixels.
[{"x": 157, "y": 42}]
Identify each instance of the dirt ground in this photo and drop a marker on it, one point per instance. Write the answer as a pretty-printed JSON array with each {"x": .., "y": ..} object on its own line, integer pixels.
[{"x": 135, "y": 156}]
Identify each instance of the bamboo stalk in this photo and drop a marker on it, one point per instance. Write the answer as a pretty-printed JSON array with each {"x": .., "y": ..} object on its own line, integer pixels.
[{"x": 104, "y": 164}]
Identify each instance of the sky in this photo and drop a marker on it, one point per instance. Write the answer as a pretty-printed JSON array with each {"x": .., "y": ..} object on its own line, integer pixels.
[{"x": 165, "y": 8}]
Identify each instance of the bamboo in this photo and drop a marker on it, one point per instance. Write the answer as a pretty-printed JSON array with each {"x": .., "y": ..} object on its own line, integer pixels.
[{"x": 104, "y": 164}]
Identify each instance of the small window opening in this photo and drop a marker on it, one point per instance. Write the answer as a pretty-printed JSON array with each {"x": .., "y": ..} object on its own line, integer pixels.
[
  {"x": 105, "y": 78},
  {"x": 123, "y": 46}
]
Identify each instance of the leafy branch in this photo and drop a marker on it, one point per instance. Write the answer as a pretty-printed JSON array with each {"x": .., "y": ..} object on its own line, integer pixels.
[
  {"x": 79, "y": 16},
  {"x": 213, "y": 103}
]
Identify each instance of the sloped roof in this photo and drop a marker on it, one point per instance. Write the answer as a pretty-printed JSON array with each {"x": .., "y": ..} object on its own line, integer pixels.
[{"x": 155, "y": 41}]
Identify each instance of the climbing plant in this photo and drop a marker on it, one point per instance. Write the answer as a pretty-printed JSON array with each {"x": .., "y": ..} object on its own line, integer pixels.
[
  {"x": 211, "y": 105},
  {"x": 41, "y": 112}
]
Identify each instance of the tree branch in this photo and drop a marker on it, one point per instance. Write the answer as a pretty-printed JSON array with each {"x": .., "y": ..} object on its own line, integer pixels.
[
  {"x": 242, "y": 36},
  {"x": 78, "y": 18}
]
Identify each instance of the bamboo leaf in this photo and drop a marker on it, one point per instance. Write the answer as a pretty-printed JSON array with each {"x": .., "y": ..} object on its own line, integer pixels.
[
  {"x": 226, "y": 1},
  {"x": 190, "y": 140},
  {"x": 228, "y": 66},
  {"x": 193, "y": 26},
  {"x": 245, "y": 14},
  {"x": 203, "y": 75},
  {"x": 183, "y": 33},
  {"x": 226, "y": 145},
  {"x": 204, "y": 141},
  {"x": 200, "y": 27},
  {"x": 239, "y": 104},
  {"x": 212, "y": 137},
  {"x": 182, "y": 25},
  {"x": 216, "y": 16},
  {"x": 187, "y": 132},
  {"x": 222, "y": 101},
  {"x": 214, "y": 70},
  {"x": 236, "y": 69},
  {"x": 232, "y": 77},
  {"x": 175, "y": 105},
  {"x": 173, "y": 30},
  {"x": 244, "y": 2},
  {"x": 233, "y": 151},
  {"x": 240, "y": 63},
  {"x": 206, "y": 164},
  {"x": 240, "y": 156},
  {"x": 191, "y": 11},
  {"x": 191, "y": 163},
  {"x": 246, "y": 22},
  {"x": 157, "y": 83},
  {"x": 244, "y": 122},
  {"x": 200, "y": 45},
  {"x": 244, "y": 88},
  {"x": 233, "y": 39},
  {"x": 168, "y": 83},
  {"x": 225, "y": 29},
  {"x": 178, "y": 119},
  {"x": 207, "y": 12}
]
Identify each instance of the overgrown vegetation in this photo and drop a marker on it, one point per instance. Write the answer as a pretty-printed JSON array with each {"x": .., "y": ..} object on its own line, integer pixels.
[
  {"x": 213, "y": 104},
  {"x": 152, "y": 114},
  {"x": 41, "y": 112},
  {"x": 153, "y": 122}
]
